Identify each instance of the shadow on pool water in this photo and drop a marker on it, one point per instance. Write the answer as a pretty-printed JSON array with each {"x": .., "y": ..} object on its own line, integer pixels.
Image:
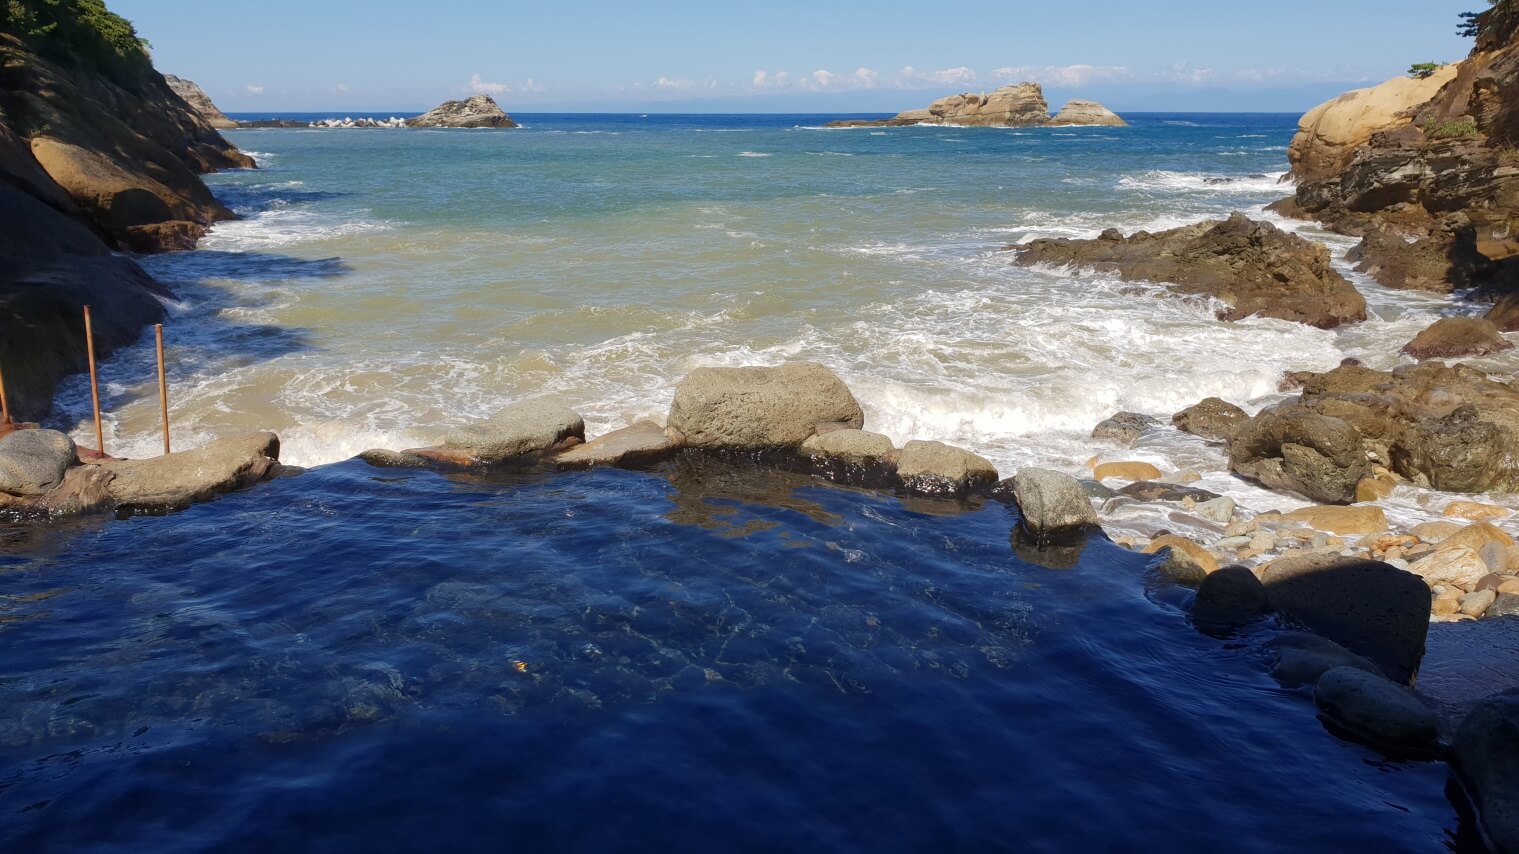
[{"x": 704, "y": 657}]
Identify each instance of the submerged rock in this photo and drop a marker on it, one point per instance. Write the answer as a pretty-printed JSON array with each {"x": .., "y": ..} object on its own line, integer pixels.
[
  {"x": 1212, "y": 418},
  {"x": 934, "y": 468},
  {"x": 639, "y": 444},
  {"x": 1123, "y": 428},
  {"x": 1372, "y": 710},
  {"x": 1302, "y": 658},
  {"x": 757, "y": 409},
  {"x": 1486, "y": 756},
  {"x": 1254, "y": 268},
  {"x": 175, "y": 481},
  {"x": 1373, "y": 609},
  {"x": 1456, "y": 337},
  {"x": 1231, "y": 597},
  {"x": 529, "y": 427},
  {"x": 476, "y": 111},
  {"x": 1052, "y": 505},
  {"x": 1183, "y": 559},
  {"x": 381, "y": 458},
  {"x": 34, "y": 461}
]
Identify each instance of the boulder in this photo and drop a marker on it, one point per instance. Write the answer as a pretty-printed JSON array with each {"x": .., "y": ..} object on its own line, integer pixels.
[
  {"x": 1451, "y": 566},
  {"x": 384, "y": 459},
  {"x": 1123, "y": 428},
  {"x": 1052, "y": 506},
  {"x": 1184, "y": 551},
  {"x": 934, "y": 468},
  {"x": 1506, "y": 605},
  {"x": 1329, "y": 135},
  {"x": 1302, "y": 658},
  {"x": 1230, "y": 597},
  {"x": 1149, "y": 490},
  {"x": 1475, "y": 511},
  {"x": 1372, "y": 710},
  {"x": 1490, "y": 542},
  {"x": 1435, "y": 532},
  {"x": 1211, "y": 418},
  {"x": 529, "y": 427},
  {"x": 756, "y": 409},
  {"x": 639, "y": 444},
  {"x": 1081, "y": 113},
  {"x": 1220, "y": 510},
  {"x": 1458, "y": 337},
  {"x": 200, "y": 102},
  {"x": 1485, "y": 753},
  {"x": 1348, "y": 521},
  {"x": 476, "y": 111},
  {"x": 175, "y": 481},
  {"x": 855, "y": 447},
  {"x": 1133, "y": 471},
  {"x": 1253, "y": 268},
  {"x": 1476, "y": 604},
  {"x": 1373, "y": 609},
  {"x": 32, "y": 462},
  {"x": 1318, "y": 456}
]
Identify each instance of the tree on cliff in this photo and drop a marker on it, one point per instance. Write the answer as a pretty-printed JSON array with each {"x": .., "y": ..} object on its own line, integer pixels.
[
  {"x": 73, "y": 30},
  {"x": 1490, "y": 27}
]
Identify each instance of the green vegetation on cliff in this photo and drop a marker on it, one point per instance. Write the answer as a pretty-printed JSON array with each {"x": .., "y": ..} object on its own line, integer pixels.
[{"x": 79, "y": 30}]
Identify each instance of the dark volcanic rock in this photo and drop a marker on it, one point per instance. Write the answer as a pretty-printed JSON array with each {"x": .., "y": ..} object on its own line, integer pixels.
[
  {"x": 1456, "y": 337},
  {"x": 1254, "y": 268},
  {"x": 1294, "y": 449},
  {"x": 1486, "y": 755},
  {"x": 1372, "y": 609},
  {"x": 1123, "y": 428},
  {"x": 1377, "y": 712},
  {"x": 1212, "y": 418},
  {"x": 1230, "y": 597}
]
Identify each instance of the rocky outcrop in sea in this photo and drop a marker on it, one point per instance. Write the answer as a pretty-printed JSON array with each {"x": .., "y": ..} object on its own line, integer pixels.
[
  {"x": 200, "y": 102},
  {"x": 1018, "y": 105},
  {"x": 476, "y": 111}
]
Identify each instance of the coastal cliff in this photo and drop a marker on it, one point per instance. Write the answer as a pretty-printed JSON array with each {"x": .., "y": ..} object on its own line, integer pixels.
[
  {"x": 97, "y": 154},
  {"x": 1018, "y": 105},
  {"x": 1425, "y": 171},
  {"x": 199, "y": 101}
]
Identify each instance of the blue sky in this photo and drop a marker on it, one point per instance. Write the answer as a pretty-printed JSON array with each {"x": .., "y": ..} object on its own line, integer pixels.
[{"x": 784, "y": 55}]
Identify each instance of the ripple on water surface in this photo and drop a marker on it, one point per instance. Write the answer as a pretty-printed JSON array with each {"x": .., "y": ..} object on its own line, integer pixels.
[{"x": 703, "y": 657}]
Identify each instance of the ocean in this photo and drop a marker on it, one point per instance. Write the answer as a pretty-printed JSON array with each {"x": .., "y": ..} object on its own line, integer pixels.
[{"x": 700, "y": 657}]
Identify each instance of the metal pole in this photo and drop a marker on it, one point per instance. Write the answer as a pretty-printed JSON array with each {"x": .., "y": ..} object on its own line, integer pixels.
[
  {"x": 163, "y": 384},
  {"x": 89, "y": 339},
  {"x": 5, "y": 406}
]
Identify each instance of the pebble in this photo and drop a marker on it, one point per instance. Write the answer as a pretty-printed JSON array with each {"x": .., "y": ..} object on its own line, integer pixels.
[{"x": 1234, "y": 543}]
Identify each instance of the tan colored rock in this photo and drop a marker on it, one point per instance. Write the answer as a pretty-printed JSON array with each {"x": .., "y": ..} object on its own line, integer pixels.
[
  {"x": 476, "y": 111},
  {"x": 1492, "y": 543},
  {"x": 1375, "y": 487},
  {"x": 639, "y": 444},
  {"x": 200, "y": 102},
  {"x": 934, "y": 468},
  {"x": 1131, "y": 471},
  {"x": 856, "y": 447},
  {"x": 1476, "y": 604},
  {"x": 1081, "y": 113},
  {"x": 1509, "y": 587},
  {"x": 1329, "y": 135},
  {"x": 1355, "y": 519},
  {"x": 1194, "y": 552},
  {"x": 1457, "y": 566},
  {"x": 1435, "y": 532},
  {"x": 755, "y": 409},
  {"x": 1458, "y": 337},
  {"x": 175, "y": 481},
  {"x": 1476, "y": 511}
]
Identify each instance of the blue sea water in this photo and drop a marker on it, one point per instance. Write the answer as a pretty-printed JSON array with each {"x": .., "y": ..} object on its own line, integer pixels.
[{"x": 705, "y": 656}]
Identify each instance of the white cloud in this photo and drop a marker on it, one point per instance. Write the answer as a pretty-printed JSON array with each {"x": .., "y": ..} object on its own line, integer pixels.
[
  {"x": 820, "y": 79},
  {"x": 342, "y": 87},
  {"x": 481, "y": 87},
  {"x": 1065, "y": 75},
  {"x": 912, "y": 78},
  {"x": 865, "y": 78},
  {"x": 255, "y": 89}
]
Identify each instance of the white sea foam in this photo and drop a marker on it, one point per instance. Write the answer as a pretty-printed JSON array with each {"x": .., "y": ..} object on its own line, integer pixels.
[
  {"x": 285, "y": 225},
  {"x": 754, "y": 154},
  {"x": 1161, "y": 181}
]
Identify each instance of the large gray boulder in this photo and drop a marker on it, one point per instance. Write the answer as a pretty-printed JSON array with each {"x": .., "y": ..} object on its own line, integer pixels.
[
  {"x": 1373, "y": 609},
  {"x": 758, "y": 409},
  {"x": 1486, "y": 755},
  {"x": 934, "y": 468},
  {"x": 34, "y": 461},
  {"x": 1374, "y": 711},
  {"x": 1123, "y": 428},
  {"x": 1052, "y": 505},
  {"x": 175, "y": 481},
  {"x": 529, "y": 427},
  {"x": 1212, "y": 418}
]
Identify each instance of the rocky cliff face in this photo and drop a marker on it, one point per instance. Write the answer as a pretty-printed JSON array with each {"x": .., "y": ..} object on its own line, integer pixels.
[
  {"x": 1426, "y": 172},
  {"x": 479, "y": 111},
  {"x": 1019, "y": 105},
  {"x": 97, "y": 154},
  {"x": 200, "y": 102}
]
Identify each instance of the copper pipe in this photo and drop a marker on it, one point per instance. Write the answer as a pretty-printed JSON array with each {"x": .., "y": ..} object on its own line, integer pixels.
[
  {"x": 89, "y": 340},
  {"x": 163, "y": 383}
]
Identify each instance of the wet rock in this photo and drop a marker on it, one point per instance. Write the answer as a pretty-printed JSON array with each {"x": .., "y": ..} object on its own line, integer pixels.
[
  {"x": 1354, "y": 520},
  {"x": 1123, "y": 428},
  {"x": 1485, "y": 753},
  {"x": 1490, "y": 543},
  {"x": 1318, "y": 456},
  {"x": 1476, "y": 511},
  {"x": 34, "y": 461},
  {"x": 1457, "y": 337},
  {"x": 1375, "y": 487},
  {"x": 175, "y": 481},
  {"x": 1219, "y": 510},
  {"x": 1233, "y": 596},
  {"x": 1476, "y": 604},
  {"x": 855, "y": 447},
  {"x": 756, "y": 409},
  {"x": 1133, "y": 471},
  {"x": 1052, "y": 505},
  {"x": 1182, "y": 552},
  {"x": 1212, "y": 418},
  {"x": 1455, "y": 566},
  {"x": 381, "y": 458},
  {"x": 1435, "y": 532},
  {"x": 1505, "y": 605},
  {"x": 1372, "y": 609},
  {"x": 1374, "y": 711},
  {"x": 1302, "y": 658},
  {"x": 1149, "y": 490},
  {"x": 529, "y": 427},
  {"x": 476, "y": 111},
  {"x": 639, "y": 444},
  {"x": 1254, "y": 268},
  {"x": 1096, "y": 489},
  {"x": 934, "y": 468}
]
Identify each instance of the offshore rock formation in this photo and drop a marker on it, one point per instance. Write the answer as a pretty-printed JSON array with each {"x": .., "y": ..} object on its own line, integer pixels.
[
  {"x": 1254, "y": 268},
  {"x": 477, "y": 111},
  {"x": 1019, "y": 105},
  {"x": 97, "y": 154},
  {"x": 200, "y": 102},
  {"x": 1425, "y": 172}
]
